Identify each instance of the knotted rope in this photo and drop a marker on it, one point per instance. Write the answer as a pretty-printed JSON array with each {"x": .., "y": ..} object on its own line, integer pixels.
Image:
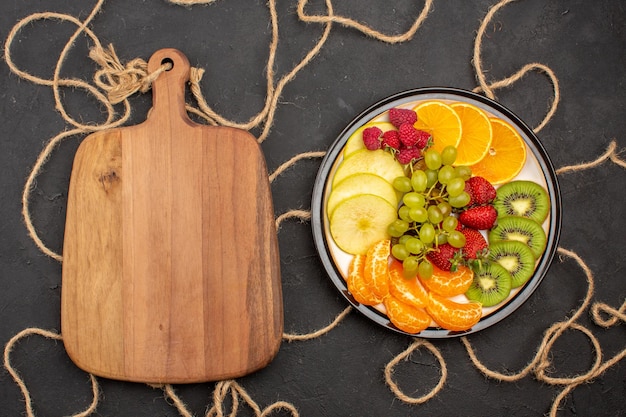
[{"x": 119, "y": 81}]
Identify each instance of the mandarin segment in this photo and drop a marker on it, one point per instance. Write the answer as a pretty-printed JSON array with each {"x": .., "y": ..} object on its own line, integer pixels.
[
  {"x": 441, "y": 121},
  {"x": 356, "y": 283},
  {"x": 375, "y": 271},
  {"x": 448, "y": 283},
  {"x": 453, "y": 316},
  {"x": 409, "y": 291},
  {"x": 506, "y": 156},
  {"x": 406, "y": 317}
]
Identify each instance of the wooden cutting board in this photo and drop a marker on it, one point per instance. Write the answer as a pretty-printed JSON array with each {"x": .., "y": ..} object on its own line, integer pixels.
[{"x": 170, "y": 258}]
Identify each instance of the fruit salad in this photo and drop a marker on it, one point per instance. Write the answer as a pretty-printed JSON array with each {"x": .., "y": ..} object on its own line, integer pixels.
[{"x": 433, "y": 212}]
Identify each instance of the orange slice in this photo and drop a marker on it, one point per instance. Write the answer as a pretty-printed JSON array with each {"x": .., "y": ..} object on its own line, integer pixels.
[
  {"x": 409, "y": 291},
  {"x": 441, "y": 121},
  {"x": 406, "y": 317},
  {"x": 453, "y": 316},
  {"x": 356, "y": 283},
  {"x": 506, "y": 155},
  {"x": 476, "y": 137},
  {"x": 375, "y": 271},
  {"x": 449, "y": 284}
]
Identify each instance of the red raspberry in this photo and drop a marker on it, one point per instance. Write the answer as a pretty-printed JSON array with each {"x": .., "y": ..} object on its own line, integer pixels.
[
  {"x": 371, "y": 138},
  {"x": 391, "y": 139},
  {"x": 422, "y": 139},
  {"x": 398, "y": 117},
  {"x": 408, "y": 135},
  {"x": 408, "y": 154}
]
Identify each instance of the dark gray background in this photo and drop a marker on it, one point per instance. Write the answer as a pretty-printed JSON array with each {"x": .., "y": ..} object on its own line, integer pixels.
[{"x": 341, "y": 373}]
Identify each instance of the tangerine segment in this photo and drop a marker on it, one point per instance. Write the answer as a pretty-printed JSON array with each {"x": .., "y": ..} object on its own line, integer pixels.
[
  {"x": 447, "y": 283},
  {"x": 453, "y": 316},
  {"x": 408, "y": 291},
  {"x": 506, "y": 155},
  {"x": 406, "y": 317},
  {"x": 441, "y": 121},
  {"x": 477, "y": 133},
  {"x": 356, "y": 284},
  {"x": 375, "y": 271}
]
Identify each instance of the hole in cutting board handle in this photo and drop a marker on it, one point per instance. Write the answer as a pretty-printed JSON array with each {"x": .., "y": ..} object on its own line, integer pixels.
[
  {"x": 178, "y": 63},
  {"x": 168, "y": 61}
]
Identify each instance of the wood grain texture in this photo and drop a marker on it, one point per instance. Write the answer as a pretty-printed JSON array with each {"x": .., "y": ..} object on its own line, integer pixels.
[{"x": 171, "y": 266}]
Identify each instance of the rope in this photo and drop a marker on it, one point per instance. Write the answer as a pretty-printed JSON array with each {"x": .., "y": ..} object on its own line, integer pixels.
[{"x": 115, "y": 82}]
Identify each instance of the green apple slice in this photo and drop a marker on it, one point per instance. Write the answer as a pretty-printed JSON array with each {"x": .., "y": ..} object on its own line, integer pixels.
[
  {"x": 362, "y": 183},
  {"x": 360, "y": 221},
  {"x": 377, "y": 162}
]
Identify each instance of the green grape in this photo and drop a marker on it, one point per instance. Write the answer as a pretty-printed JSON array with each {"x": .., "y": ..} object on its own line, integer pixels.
[
  {"x": 398, "y": 227},
  {"x": 410, "y": 266},
  {"x": 446, "y": 174},
  {"x": 455, "y": 186},
  {"x": 418, "y": 214},
  {"x": 403, "y": 213},
  {"x": 414, "y": 245},
  {"x": 463, "y": 171},
  {"x": 414, "y": 199},
  {"x": 425, "y": 269},
  {"x": 431, "y": 176},
  {"x": 432, "y": 158},
  {"x": 392, "y": 231},
  {"x": 450, "y": 223},
  {"x": 445, "y": 208},
  {"x": 399, "y": 251},
  {"x": 456, "y": 239},
  {"x": 435, "y": 216},
  {"x": 460, "y": 200},
  {"x": 402, "y": 184},
  {"x": 419, "y": 181},
  {"x": 427, "y": 233},
  {"x": 448, "y": 155},
  {"x": 403, "y": 239},
  {"x": 441, "y": 238}
]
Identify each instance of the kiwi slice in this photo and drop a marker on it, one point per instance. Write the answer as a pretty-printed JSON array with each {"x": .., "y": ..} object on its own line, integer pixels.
[
  {"x": 521, "y": 229},
  {"x": 522, "y": 198},
  {"x": 515, "y": 257},
  {"x": 491, "y": 285}
]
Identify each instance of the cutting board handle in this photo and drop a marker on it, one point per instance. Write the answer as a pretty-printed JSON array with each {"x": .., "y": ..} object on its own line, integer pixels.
[{"x": 168, "y": 89}]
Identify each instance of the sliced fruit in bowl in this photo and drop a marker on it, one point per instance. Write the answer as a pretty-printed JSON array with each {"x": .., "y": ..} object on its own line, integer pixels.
[
  {"x": 361, "y": 183},
  {"x": 438, "y": 178},
  {"x": 523, "y": 198},
  {"x": 377, "y": 162},
  {"x": 476, "y": 135},
  {"x": 506, "y": 155},
  {"x": 360, "y": 221}
]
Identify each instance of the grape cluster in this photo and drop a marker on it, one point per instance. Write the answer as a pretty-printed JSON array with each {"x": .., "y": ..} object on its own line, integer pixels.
[{"x": 426, "y": 217}]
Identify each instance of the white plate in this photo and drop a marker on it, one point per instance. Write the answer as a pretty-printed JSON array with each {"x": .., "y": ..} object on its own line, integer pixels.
[{"x": 537, "y": 168}]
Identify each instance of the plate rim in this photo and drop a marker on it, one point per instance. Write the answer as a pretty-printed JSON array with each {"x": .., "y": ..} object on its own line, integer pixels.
[{"x": 535, "y": 145}]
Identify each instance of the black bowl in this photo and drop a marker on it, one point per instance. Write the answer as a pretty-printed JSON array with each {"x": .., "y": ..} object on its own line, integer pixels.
[{"x": 535, "y": 153}]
